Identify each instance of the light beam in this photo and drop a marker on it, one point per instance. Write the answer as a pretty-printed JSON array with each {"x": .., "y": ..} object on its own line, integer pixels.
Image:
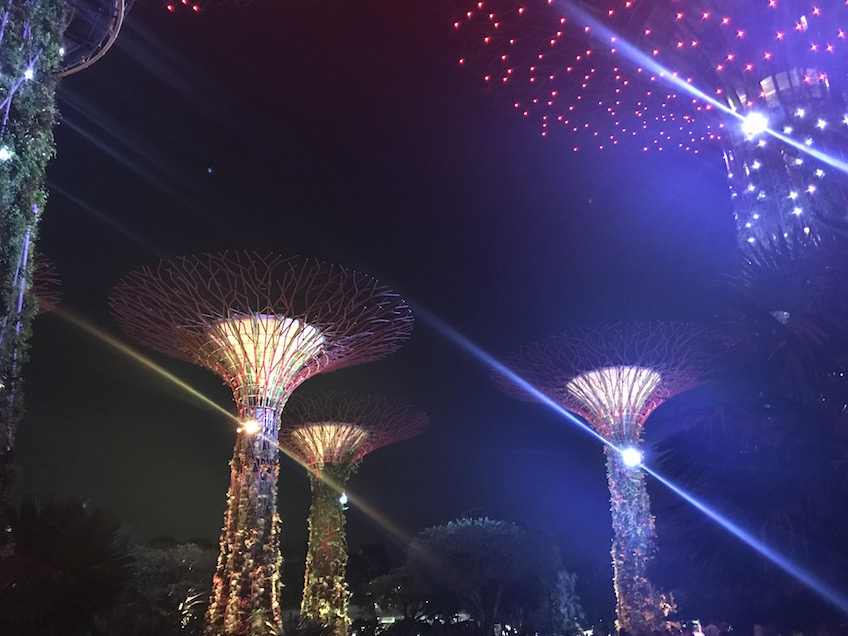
[{"x": 837, "y": 598}]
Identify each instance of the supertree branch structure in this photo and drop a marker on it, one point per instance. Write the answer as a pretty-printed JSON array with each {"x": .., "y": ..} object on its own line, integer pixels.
[
  {"x": 44, "y": 294},
  {"x": 330, "y": 434},
  {"x": 264, "y": 324},
  {"x": 46, "y": 284},
  {"x": 615, "y": 377},
  {"x": 782, "y": 65}
]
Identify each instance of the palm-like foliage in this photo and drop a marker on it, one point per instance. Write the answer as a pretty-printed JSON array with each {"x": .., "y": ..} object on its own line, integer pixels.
[
  {"x": 774, "y": 451},
  {"x": 167, "y": 593},
  {"x": 70, "y": 563},
  {"x": 788, "y": 321}
]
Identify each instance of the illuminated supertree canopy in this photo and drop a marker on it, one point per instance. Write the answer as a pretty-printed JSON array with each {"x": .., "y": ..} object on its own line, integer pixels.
[
  {"x": 615, "y": 377},
  {"x": 330, "y": 434},
  {"x": 264, "y": 324},
  {"x": 650, "y": 74}
]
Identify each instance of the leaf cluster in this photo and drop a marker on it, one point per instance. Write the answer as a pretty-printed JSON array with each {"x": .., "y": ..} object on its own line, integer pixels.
[{"x": 493, "y": 571}]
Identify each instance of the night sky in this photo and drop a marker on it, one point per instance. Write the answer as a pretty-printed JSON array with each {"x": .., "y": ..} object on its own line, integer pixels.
[{"x": 345, "y": 129}]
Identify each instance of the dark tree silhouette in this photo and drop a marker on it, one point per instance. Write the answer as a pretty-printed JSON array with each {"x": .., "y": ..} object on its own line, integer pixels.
[
  {"x": 492, "y": 569},
  {"x": 70, "y": 564}
]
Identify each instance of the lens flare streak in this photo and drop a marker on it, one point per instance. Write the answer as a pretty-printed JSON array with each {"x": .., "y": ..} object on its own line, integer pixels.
[
  {"x": 640, "y": 58},
  {"x": 807, "y": 578},
  {"x": 114, "y": 343},
  {"x": 810, "y": 580}
]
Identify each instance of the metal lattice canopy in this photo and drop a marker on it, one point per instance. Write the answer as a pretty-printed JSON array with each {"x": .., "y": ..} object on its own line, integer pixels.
[
  {"x": 263, "y": 323},
  {"x": 321, "y": 428},
  {"x": 613, "y": 376},
  {"x": 46, "y": 284}
]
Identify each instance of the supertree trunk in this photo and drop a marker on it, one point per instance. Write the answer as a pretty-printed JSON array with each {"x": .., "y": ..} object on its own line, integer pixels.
[
  {"x": 247, "y": 579},
  {"x": 325, "y": 590},
  {"x": 30, "y": 35},
  {"x": 637, "y": 606}
]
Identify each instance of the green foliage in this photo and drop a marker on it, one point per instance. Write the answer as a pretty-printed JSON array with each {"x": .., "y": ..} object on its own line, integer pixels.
[
  {"x": 638, "y": 606},
  {"x": 299, "y": 626},
  {"x": 70, "y": 565},
  {"x": 325, "y": 589},
  {"x": 558, "y": 609},
  {"x": 246, "y": 585},
  {"x": 31, "y": 38},
  {"x": 402, "y": 591},
  {"x": 167, "y": 593},
  {"x": 497, "y": 571}
]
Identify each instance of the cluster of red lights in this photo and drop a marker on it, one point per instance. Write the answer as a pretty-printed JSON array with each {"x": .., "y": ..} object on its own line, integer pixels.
[
  {"x": 173, "y": 7},
  {"x": 559, "y": 70}
]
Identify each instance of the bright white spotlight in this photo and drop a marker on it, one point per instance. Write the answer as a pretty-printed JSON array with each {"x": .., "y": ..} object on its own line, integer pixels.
[
  {"x": 343, "y": 500},
  {"x": 632, "y": 457},
  {"x": 250, "y": 427},
  {"x": 754, "y": 124}
]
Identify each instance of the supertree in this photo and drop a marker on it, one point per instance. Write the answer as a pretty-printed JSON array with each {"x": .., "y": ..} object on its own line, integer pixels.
[
  {"x": 33, "y": 54},
  {"x": 622, "y": 73},
  {"x": 615, "y": 377},
  {"x": 331, "y": 434},
  {"x": 43, "y": 293},
  {"x": 30, "y": 40},
  {"x": 264, "y": 324}
]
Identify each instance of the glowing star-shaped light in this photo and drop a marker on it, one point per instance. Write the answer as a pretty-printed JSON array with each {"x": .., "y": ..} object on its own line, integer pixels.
[
  {"x": 754, "y": 124},
  {"x": 29, "y": 73},
  {"x": 799, "y": 113},
  {"x": 250, "y": 427},
  {"x": 5, "y": 154},
  {"x": 631, "y": 456}
]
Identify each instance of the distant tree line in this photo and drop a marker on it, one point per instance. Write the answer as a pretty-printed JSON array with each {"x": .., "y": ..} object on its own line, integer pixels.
[
  {"x": 478, "y": 576},
  {"x": 76, "y": 574}
]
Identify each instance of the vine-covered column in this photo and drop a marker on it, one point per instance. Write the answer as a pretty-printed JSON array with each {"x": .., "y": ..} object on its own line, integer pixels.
[
  {"x": 246, "y": 585},
  {"x": 30, "y": 43},
  {"x": 637, "y": 605},
  {"x": 325, "y": 594}
]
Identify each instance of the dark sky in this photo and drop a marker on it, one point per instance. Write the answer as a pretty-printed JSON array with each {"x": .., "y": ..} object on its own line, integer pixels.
[{"x": 344, "y": 129}]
